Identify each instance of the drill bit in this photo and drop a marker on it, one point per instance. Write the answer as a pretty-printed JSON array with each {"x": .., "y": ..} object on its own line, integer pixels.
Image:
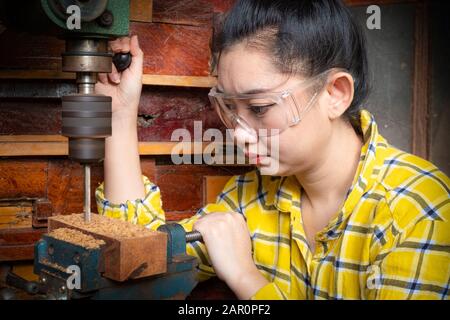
[{"x": 87, "y": 193}]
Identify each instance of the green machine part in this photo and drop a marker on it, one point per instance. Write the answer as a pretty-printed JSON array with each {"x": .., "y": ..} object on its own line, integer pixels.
[{"x": 99, "y": 18}]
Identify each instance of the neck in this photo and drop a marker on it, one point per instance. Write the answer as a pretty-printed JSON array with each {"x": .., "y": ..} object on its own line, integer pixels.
[{"x": 326, "y": 182}]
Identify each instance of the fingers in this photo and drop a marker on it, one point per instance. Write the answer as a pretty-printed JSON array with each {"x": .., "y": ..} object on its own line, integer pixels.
[
  {"x": 103, "y": 78},
  {"x": 125, "y": 45},
  {"x": 135, "y": 50},
  {"x": 114, "y": 76},
  {"x": 137, "y": 55},
  {"x": 120, "y": 45},
  {"x": 212, "y": 220}
]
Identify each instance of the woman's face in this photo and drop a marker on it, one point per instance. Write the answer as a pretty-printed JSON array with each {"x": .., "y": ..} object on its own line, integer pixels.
[{"x": 300, "y": 146}]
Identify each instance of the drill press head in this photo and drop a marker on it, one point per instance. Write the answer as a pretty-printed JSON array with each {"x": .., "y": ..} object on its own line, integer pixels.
[{"x": 86, "y": 116}]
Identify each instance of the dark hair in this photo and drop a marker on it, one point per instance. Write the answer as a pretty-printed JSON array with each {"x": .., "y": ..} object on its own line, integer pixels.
[{"x": 302, "y": 36}]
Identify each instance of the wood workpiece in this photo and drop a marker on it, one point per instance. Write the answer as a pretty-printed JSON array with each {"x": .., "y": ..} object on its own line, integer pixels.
[{"x": 130, "y": 251}]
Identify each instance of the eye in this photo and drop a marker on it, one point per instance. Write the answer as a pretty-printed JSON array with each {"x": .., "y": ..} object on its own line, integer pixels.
[
  {"x": 229, "y": 105},
  {"x": 261, "y": 110}
]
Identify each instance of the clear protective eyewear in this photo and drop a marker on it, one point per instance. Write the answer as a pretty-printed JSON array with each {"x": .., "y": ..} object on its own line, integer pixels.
[{"x": 265, "y": 114}]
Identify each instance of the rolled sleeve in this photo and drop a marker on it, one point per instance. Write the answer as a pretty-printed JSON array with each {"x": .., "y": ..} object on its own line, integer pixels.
[{"x": 147, "y": 212}]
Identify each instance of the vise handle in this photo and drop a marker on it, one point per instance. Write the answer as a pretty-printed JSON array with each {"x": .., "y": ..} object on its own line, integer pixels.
[{"x": 193, "y": 236}]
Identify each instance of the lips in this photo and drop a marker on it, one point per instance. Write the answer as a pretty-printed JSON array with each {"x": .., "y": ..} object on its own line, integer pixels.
[{"x": 255, "y": 158}]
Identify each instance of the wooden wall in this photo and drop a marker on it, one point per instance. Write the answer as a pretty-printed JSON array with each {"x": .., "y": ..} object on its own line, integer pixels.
[{"x": 176, "y": 39}]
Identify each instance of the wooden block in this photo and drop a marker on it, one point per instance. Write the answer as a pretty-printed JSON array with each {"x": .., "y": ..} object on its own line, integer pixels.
[
  {"x": 25, "y": 270},
  {"x": 23, "y": 178},
  {"x": 18, "y": 244},
  {"x": 186, "y": 12},
  {"x": 168, "y": 109},
  {"x": 147, "y": 79},
  {"x": 141, "y": 10},
  {"x": 42, "y": 209},
  {"x": 174, "y": 49},
  {"x": 27, "y": 116},
  {"x": 182, "y": 185},
  {"x": 212, "y": 187},
  {"x": 26, "y": 51},
  {"x": 16, "y": 215},
  {"x": 138, "y": 254}
]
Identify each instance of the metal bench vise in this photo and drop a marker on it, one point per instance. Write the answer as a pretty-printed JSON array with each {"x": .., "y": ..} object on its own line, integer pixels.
[{"x": 69, "y": 271}]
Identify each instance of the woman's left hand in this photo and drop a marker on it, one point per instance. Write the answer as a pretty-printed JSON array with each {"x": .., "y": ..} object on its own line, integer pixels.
[{"x": 227, "y": 240}]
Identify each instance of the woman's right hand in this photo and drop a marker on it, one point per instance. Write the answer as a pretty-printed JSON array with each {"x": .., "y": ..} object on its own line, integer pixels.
[
  {"x": 125, "y": 87},
  {"x": 123, "y": 175}
]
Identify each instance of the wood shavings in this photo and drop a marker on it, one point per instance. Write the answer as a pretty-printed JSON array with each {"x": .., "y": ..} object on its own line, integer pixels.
[
  {"x": 105, "y": 226},
  {"x": 76, "y": 237}
]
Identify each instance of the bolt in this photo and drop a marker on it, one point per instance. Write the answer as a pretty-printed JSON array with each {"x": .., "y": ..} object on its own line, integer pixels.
[
  {"x": 44, "y": 279},
  {"x": 106, "y": 19},
  {"x": 51, "y": 250},
  {"x": 62, "y": 289},
  {"x": 77, "y": 258}
]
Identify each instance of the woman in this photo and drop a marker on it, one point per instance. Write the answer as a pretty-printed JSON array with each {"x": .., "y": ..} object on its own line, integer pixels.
[{"x": 345, "y": 215}]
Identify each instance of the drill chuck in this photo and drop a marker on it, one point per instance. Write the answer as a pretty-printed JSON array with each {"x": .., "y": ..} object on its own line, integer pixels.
[{"x": 86, "y": 120}]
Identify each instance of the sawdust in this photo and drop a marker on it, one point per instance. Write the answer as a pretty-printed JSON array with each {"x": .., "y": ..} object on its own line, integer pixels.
[
  {"x": 53, "y": 265},
  {"x": 76, "y": 237},
  {"x": 105, "y": 226}
]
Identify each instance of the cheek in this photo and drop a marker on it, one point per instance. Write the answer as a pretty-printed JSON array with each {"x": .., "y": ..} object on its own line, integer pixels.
[{"x": 303, "y": 142}]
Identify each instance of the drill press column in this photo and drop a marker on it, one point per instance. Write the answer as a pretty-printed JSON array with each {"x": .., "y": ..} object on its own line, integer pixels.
[{"x": 86, "y": 116}]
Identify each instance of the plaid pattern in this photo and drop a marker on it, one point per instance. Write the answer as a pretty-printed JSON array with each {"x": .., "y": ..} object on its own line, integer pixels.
[{"x": 390, "y": 240}]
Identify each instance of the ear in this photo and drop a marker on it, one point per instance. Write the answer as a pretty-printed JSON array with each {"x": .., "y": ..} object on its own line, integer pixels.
[{"x": 340, "y": 91}]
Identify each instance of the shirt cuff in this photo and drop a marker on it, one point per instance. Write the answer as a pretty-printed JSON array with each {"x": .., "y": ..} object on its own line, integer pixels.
[{"x": 147, "y": 211}]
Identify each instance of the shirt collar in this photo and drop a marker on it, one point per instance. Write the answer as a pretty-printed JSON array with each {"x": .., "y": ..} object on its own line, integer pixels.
[{"x": 284, "y": 192}]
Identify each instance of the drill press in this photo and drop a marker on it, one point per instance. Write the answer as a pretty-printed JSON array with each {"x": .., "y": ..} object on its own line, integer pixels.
[
  {"x": 86, "y": 121},
  {"x": 86, "y": 116}
]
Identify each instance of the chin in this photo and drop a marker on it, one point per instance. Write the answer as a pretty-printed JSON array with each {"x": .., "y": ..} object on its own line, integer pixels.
[{"x": 272, "y": 168}]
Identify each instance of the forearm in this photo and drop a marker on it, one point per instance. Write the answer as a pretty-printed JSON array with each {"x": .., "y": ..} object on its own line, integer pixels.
[
  {"x": 248, "y": 284},
  {"x": 123, "y": 176}
]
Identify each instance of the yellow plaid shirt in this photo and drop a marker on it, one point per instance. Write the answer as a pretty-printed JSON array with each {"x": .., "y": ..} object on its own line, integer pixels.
[{"x": 390, "y": 239}]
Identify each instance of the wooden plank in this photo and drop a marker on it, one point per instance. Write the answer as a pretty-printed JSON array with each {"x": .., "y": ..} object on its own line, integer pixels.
[
  {"x": 125, "y": 258},
  {"x": 147, "y": 79},
  {"x": 30, "y": 52},
  {"x": 174, "y": 49},
  {"x": 36, "y": 74},
  {"x": 65, "y": 186},
  {"x": 163, "y": 110},
  {"x": 187, "y": 12},
  {"x": 179, "y": 81},
  {"x": 23, "y": 178},
  {"x": 177, "y": 181},
  {"x": 26, "y": 271},
  {"x": 212, "y": 187},
  {"x": 141, "y": 10},
  {"x": 17, "y": 252},
  {"x": 169, "y": 50},
  {"x": 56, "y": 145},
  {"x": 420, "y": 100},
  {"x": 439, "y": 83},
  {"x": 16, "y": 216},
  {"x": 30, "y": 116},
  {"x": 18, "y": 244}
]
